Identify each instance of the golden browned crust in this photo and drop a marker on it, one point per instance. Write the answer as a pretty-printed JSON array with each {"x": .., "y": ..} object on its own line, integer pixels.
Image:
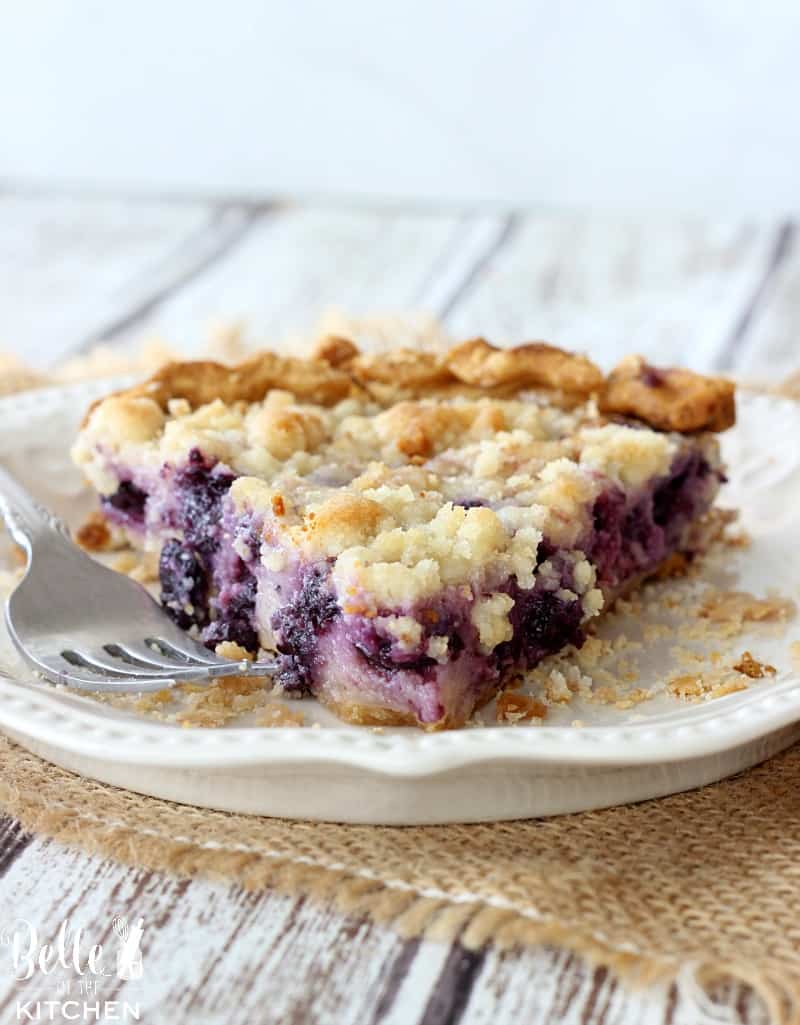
[
  {"x": 202, "y": 381},
  {"x": 367, "y": 715},
  {"x": 669, "y": 400},
  {"x": 514, "y": 707},
  {"x": 403, "y": 369},
  {"x": 377, "y": 715},
  {"x": 534, "y": 365},
  {"x": 335, "y": 350}
]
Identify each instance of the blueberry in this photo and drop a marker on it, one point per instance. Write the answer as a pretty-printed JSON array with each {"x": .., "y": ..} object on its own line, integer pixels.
[
  {"x": 469, "y": 503},
  {"x": 545, "y": 550},
  {"x": 677, "y": 496},
  {"x": 235, "y": 609},
  {"x": 382, "y": 657},
  {"x": 184, "y": 584},
  {"x": 237, "y": 630},
  {"x": 128, "y": 500},
  {"x": 548, "y": 622},
  {"x": 643, "y": 540},
  {"x": 544, "y": 623},
  {"x": 607, "y": 516},
  {"x": 634, "y": 539},
  {"x": 298, "y": 625},
  {"x": 292, "y": 675},
  {"x": 201, "y": 488}
]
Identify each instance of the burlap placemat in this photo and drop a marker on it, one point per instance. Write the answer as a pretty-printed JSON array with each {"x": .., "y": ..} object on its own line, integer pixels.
[{"x": 708, "y": 879}]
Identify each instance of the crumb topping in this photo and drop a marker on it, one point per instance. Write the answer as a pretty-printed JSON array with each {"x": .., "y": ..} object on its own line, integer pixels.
[
  {"x": 626, "y": 455},
  {"x": 490, "y": 617},
  {"x": 423, "y": 495}
]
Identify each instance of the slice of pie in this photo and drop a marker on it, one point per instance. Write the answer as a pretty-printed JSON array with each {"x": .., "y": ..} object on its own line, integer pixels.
[{"x": 407, "y": 531}]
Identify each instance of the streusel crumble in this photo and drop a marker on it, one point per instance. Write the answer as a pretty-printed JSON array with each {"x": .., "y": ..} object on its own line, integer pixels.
[{"x": 407, "y": 531}]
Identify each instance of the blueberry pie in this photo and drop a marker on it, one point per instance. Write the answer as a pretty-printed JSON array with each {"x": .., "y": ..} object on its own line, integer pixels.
[{"x": 406, "y": 531}]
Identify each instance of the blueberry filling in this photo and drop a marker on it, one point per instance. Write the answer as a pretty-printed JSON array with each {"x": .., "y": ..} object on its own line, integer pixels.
[
  {"x": 628, "y": 540},
  {"x": 678, "y": 496},
  {"x": 545, "y": 551},
  {"x": 128, "y": 502},
  {"x": 297, "y": 627},
  {"x": 201, "y": 486},
  {"x": 235, "y": 607},
  {"x": 385, "y": 659},
  {"x": 211, "y": 577},
  {"x": 185, "y": 567},
  {"x": 470, "y": 503},
  {"x": 608, "y": 515},
  {"x": 543, "y": 624},
  {"x": 184, "y": 584}
]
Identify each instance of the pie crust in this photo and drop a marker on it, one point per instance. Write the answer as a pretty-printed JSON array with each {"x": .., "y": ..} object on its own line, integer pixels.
[{"x": 666, "y": 399}]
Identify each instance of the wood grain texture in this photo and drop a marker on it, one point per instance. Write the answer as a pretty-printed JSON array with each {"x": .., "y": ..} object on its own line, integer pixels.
[
  {"x": 215, "y": 954},
  {"x": 769, "y": 347},
  {"x": 299, "y": 263},
  {"x": 13, "y": 841},
  {"x": 194, "y": 255},
  {"x": 75, "y": 270},
  {"x": 69, "y": 266},
  {"x": 672, "y": 290},
  {"x": 743, "y": 333}
]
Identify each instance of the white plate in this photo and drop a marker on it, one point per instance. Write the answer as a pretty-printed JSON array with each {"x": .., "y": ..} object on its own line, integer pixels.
[{"x": 404, "y": 776}]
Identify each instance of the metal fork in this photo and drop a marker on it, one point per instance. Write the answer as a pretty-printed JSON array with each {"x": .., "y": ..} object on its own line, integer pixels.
[{"x": 78, "y": 623}]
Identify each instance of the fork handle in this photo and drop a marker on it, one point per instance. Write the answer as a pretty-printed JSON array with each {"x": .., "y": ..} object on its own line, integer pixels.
[{"x": 25, "y": 518}]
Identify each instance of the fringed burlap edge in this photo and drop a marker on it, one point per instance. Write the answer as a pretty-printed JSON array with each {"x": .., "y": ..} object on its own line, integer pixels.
[{"x": 410, "y": 911}]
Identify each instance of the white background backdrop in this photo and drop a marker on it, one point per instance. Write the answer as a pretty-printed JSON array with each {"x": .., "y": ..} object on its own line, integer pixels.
[{"x": 676, "y": 105}]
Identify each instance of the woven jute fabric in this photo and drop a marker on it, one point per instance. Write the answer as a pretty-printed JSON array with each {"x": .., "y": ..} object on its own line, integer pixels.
[{"x": 708, "y": 879}]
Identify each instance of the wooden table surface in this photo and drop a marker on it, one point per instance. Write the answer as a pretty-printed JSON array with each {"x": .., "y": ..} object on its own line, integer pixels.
[{"x": 75, "y": 270}]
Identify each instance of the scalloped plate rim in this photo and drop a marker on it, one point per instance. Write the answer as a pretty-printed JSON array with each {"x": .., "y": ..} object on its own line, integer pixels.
[{"x": 46, "y": 717}]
